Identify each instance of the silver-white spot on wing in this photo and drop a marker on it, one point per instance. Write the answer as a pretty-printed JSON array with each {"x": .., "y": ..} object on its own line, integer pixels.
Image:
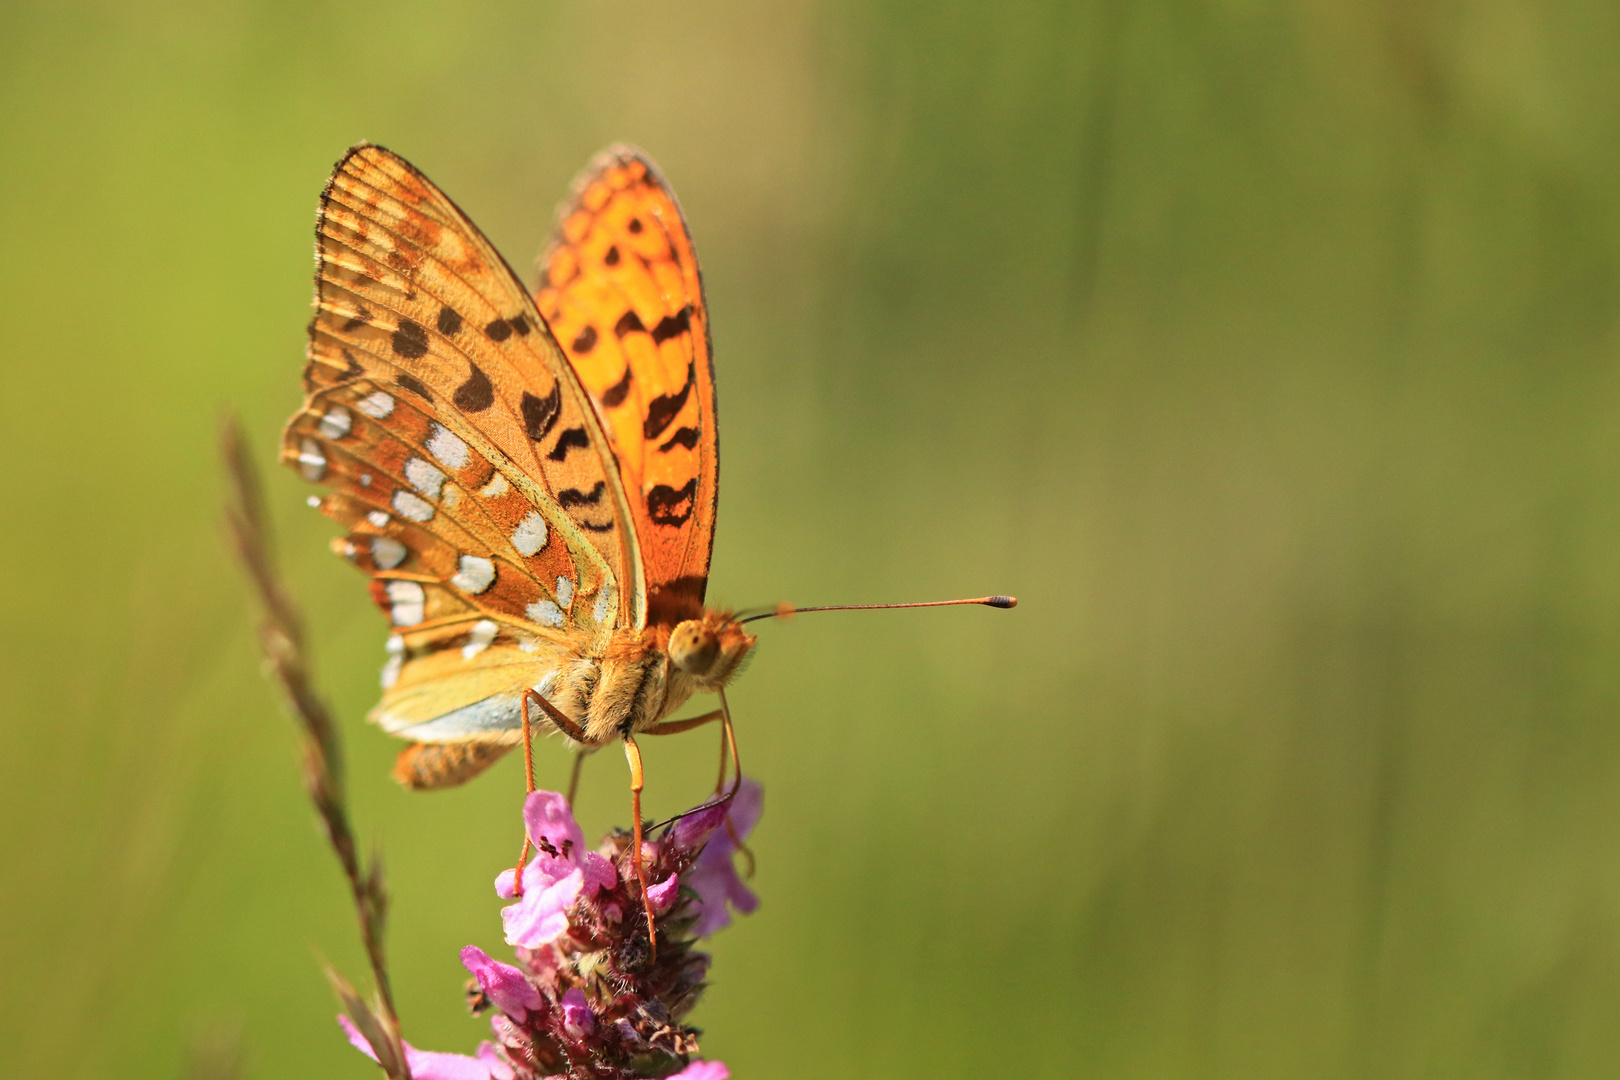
[
  {"x": 424, "y": 477},
  {"x": 387, "y": 552},
  {"x": 498, "y": 485},
  {"x": 311, "y": 462},
  {"x": 530, "y": 535},
  {"x": 411, "y": 506},
  {"x": 336, "y": 423},
  {"x": 565, "y": 591},
  {"x": 377, "y": 519},
  {"x": 445, "y": 446},
  {"x": 313, "y": 502},
  {"x": 474, "y": 575},
  {"x": 603, "y": 609},
  {"x": 365, "y": 479},
  {"x": 545, "y": 613},
  {"x": 483, "y": 632},
  {"x": 408, "y": 602},
  {"x": 395, "y": 661},
  {"x": 376, "y": 405}
]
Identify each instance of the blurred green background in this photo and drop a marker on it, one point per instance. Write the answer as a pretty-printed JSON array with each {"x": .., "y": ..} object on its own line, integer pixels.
[{"x": 1267, "y": 351}]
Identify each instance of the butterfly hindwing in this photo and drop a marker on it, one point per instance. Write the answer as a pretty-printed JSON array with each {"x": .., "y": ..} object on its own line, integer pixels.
[{"x": 621, "y": 289}]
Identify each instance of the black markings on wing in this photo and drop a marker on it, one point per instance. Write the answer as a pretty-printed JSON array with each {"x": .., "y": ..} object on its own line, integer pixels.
[
  {"x": 476, "y": 394},
  {"x": 628, "y": 323},
  {"x": 667, "y": 506},
  {"x": 410, "y": 340},
  {"x": 360, "y": 318},
  {"x": 614, "y": 395},
  {"x": 539, "y": 414},
  {"x": 664, "y": 408},
  {"x": 673, "y": 325},
  {"x": 498, "y": 330},
  {"x": 686, "y": 436},
  {"x": 449, "y": 321},
  {"x": 411, "y": 383},
  {"x": 569, "y": 439},
  {"x": 585, "y": 340},
  {"x": 570, "y": 497}
]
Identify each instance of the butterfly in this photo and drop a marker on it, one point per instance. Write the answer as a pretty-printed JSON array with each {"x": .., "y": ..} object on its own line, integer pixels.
[{"x": 529, "y": 478}]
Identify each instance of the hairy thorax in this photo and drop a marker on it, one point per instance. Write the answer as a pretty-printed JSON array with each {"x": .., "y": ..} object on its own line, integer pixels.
[{"x": 642, "y": 677}]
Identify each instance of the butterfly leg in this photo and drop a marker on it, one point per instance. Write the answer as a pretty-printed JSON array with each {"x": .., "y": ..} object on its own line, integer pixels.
[
  {"x": 675, "y": 727},
  {"x": 573, "y": 777},
  {"x": 729, "y": 737},
  {"x": 632, "y": 753},
  {"x": 569, "y": 728}
]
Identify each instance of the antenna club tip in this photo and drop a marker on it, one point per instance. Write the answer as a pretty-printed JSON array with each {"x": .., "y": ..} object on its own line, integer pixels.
[{"x": 1002, "y": 601}]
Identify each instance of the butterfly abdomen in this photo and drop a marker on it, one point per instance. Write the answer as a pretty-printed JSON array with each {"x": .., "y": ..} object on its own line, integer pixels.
[{"x": 426, "y": 766}]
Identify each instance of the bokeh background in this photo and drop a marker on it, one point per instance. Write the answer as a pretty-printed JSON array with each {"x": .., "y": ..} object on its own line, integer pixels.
[{"x": 1267, "y": 350}]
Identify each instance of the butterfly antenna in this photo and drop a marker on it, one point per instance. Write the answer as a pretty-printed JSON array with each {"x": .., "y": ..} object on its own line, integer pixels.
[{"x": 787, "y": 611}]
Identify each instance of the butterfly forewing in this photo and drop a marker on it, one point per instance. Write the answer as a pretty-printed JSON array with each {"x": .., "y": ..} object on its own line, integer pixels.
[
  {"x": 621, "y": 290},
  {"x": 464, "y": 459},
  {"x": 447, "y": 419}
]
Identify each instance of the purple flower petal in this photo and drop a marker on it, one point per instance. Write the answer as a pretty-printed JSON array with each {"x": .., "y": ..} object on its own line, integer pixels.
[
  {"x": 540, "y": 915},
  {"x": 513, "y": 994},
  {"x": 578, "y": 1019},
  {"x": 746, "y": 807},
  {"x": 693, "y": 829},
  {"x": 703, "y": 1070},
  {"x": 498, "y": 1069},
  {"x": 425, "y": 1064},
  {"x": 662, "y": 894},
  {"x": 550, "y": 824},
  {"x": 714, "y": 876},
  {"x": 599, "y": 873}
]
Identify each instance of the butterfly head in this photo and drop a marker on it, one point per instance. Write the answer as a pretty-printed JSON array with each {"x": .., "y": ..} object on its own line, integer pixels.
[{"x": 709, "y": 649}]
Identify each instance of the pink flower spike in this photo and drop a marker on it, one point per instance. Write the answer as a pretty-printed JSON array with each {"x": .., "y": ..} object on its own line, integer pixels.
[
  {"x": 578, "y": 1019},
  {"x": 703, "y": 1070},
  {"x": 513, "y": 994},
  {"x": 663, "y": 894},
  {"x": 424, "y": 1064}
]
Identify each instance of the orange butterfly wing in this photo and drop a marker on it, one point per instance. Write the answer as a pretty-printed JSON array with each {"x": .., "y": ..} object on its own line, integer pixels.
[
  {"x": 621, "y": 289},
  {"x": 467, "y": 462}
]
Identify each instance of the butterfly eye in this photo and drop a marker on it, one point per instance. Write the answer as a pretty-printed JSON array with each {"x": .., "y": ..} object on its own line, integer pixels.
[{"x": 693, "y": 647}]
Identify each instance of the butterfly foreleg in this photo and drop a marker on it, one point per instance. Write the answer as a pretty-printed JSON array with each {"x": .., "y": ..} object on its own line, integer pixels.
[
  {"x": 554, "y": 714},
  {"x": 675, "y": 727}
]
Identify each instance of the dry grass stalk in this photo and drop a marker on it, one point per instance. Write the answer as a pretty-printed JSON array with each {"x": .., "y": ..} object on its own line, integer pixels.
[{"x": 281, "y": 635}]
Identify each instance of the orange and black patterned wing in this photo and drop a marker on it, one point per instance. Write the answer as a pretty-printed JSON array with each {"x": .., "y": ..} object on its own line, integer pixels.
[
  {"x": 467, "y": 463},
  {"x": 620, "y": 288}
]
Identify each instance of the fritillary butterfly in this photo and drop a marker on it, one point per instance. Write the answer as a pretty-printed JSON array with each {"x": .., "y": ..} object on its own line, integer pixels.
[{"x": 529, "y": 479}]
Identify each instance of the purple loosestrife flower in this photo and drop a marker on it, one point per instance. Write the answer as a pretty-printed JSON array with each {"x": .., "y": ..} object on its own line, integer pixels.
[{"x": 587, "y": 1000}]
